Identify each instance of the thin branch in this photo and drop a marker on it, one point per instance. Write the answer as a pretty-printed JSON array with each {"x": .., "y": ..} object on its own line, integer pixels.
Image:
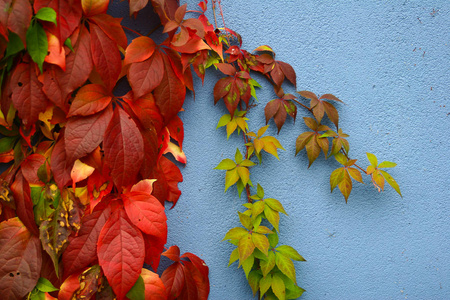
[
  {"x": 154, "y": 29},
  {"x": 132, "y": 30}
]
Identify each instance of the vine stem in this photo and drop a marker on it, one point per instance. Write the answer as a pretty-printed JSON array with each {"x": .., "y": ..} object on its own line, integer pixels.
[
  {"x": 132, "y": 30},
  {"x": 301, "y": 104},
  {"x": 154, "y": 29},
  {"x": 346, "y": 155}
]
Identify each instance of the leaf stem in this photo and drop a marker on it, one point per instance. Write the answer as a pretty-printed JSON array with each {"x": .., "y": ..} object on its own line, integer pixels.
[
  {"x": 132, "y": 30},
  {"x": 154, "y": 29},
  {"x": 346, "y": 155}
]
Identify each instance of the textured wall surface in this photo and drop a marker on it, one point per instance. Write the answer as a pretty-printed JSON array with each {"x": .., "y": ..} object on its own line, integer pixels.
[{"x": 389, "y": 62}]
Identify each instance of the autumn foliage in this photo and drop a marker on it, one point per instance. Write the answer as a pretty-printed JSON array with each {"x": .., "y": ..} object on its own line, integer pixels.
[{"x": 82, "y": 200}]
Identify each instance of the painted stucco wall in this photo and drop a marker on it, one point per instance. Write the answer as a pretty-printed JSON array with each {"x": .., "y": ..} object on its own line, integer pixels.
[{"x": 389, "y": 62}]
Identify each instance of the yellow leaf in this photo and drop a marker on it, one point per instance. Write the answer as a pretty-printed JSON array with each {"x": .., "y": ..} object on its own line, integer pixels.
[{"x": 80, "y": 171}]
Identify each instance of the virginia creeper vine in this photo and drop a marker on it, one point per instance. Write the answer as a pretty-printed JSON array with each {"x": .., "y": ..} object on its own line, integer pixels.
[{"x": 82, "y": 198}]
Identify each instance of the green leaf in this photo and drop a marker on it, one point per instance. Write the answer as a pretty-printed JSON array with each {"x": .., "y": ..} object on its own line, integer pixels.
[
  {"x": 248, "y": 264},
  {"x": 226, "y": 164},
  {"x": 68, "y": 44},
  {"x": 7, "y": 143},
  {"x": 278, "y": 287},
  {"x": 235, "y": 233},
  {"x": 244, "y": 174},
  {"x": 285, "y": 265},
  {"x": 137, "y": 292},
  {"x": 234, "y": 256},
  {"x": 391, "y": 182},
  {"x": 264, "y": 284},
  {"x": 15, "y": 44},
  {"x": 224, "y": 120},
  {"x": 231, "y": 177},
  {"x": 275, "y": 205},
  {"x": 290, "y": 252},
  {"x": 37, "y": 295},
  {"x": 45, "y": 286},
  {"x": 46, "y": 14},
  {"x": 268, "y": 264},
  {"x": 387, "y": 164},
  {"x": 240, "y": 187},
  {"x": 258, "y": 208},
  {"x": 37, "y": 44},
  {"x": 247, "y": 163},
  {"x": 273, "y": 239},
  {"x": 372, "y": 159},
  {"x": 260, "y": 191},
  {"x": 253, "y": 280}
]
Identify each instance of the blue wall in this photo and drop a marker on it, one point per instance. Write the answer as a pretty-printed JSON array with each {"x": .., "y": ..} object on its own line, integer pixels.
[{"x": 389, "y": 62}]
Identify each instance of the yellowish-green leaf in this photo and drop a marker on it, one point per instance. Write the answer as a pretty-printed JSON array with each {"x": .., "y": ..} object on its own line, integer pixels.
[
  {"x": 278, "y": 287},
  {"x": 253, "y": 280},
  {"x": 224, "y": 120},
  {"x": 262, "y": 130},
  {"x": 302, "y": 140},
  {"x": 246, "y": 221},
  {"x": 391, "y": 182},
  {"x": 234, "y": 256},
  {"x": 341, "y": 158},
  {"x": 269, "y": 147},
  {"x": 355, "y": 174},
  {"x": 248, "y": 264},
  {"x": 273, "y": 239},
  {"x": 235, "y": 233},
  {"x": 261, "y": 242},
  {"x": 263, "y": 230},
  {"x": 244, "y": 174},
  {"x": 345, "y": 186},
  {"x": 246, "y": 247},
  {"x": 258, "y": 208},
  {"x": 231, "y": 127},
  {"x": 336, "y": 177},
  {"x": 264, "y": 284},
  {"x": 226, "y": 164},
  {"x": 372, "y": 159},
  {"x": 260, "y": 191},
  {"x": 290, "y": 252},
  {"x": 268, "y": 264},
  {"x": 387, "y": 164},
  {"x": 231, "y": 177},
  {"x": 272, "y": 216},
  {"x": 247, "y": 163},
  {"x": 275, "y": 205},
  {"x": 286, "y": 266},
  {"x": 238, "y": 156},
  {"x": 378, "y": 180},
  {"x": 259, "y": 144},
  {"x": 370, "y": 170}
]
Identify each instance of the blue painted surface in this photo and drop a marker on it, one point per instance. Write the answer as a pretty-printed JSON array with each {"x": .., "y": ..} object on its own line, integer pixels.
[{"x": 389, "y": 62}]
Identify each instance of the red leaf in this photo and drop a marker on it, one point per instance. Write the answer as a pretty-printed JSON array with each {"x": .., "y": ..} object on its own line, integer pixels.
[
  {"x": 154, "y": 246},
  {"x": 84, "y": 134},
  {"x": 120, "y": 252},
  {"x": 111, "y": 26},
  {"x": 61, "y": 167},
  {"x": 288, "y": 72},
  {"x": 24, "y": 205},
  {"x": 227, "y": 69},
  {"x": 30, "y": 167},
  {"x": 139, "y": 49},
  {"x": 19, "y": 17},
  {"x": 82, "y": 249},
  {"x": 91, "y": 8},
  {"x": 145, "y": 76},
  {"x": 20, "y": 259},
  {"x": 69, "y": 286},
  {"x": 170, "y": 93},
  {"x": 173, "y": 253},
  {"x": 124, "y": 148},
  {"x": 176, "y": 130},
  {"x": 154, "y": 287},
  {"x": 90, "y": 99},
  {"x": 166, "y": 186},
  {"x": 27, "y": 95},
  {"x": 148, "y": 113},
  {"x": 137, "y": 5},
  {"x": 146, "y": 212},
  {"x": 68, "y": 15},
  {"x": 106, "y": 57},
  {"x": 59, "y": 84},
  {"x": 173, "y": 279},
  {"x": 56, "y": 53}
]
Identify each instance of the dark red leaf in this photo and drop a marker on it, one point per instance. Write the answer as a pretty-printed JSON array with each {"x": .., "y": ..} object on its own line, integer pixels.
[
  {"x": 147, "y": 112},
  {"x": 145, "y": 76},
  {"x": 27, "y": 95},
  {"x": 24, "y": 205},
  {"x": 61, "y": 167},
  {"x": 170, "y": 94},
  {"x": 120, "y": 251},
  {"x": 146, "y": 213},
  {"x": 166, "y": 186},
  {"x": 173, "y": 279},
  {"x": 21, "y": 259},
  {"x": 90, "y": 99},
  {"x": 30, "y": 167},
  {"x": 20, "y": 14},
  {"x": 227, "y": 69},
  {"x": 124, "y": 148},
  {"x": 82, "y": 249},
  {"x": 153, "y": 248},
  {"x": 151, "y": 153},
  {"x": 173, "y": 253},
  {"x": 176, "y": 130},
  {"x": 289, "y": 72},
  {"x": 137, "y": 5},
  {"x": 111, "y": 26},
  {"x": 106, "y": 57},
  {"x": 84, "y": 134}
]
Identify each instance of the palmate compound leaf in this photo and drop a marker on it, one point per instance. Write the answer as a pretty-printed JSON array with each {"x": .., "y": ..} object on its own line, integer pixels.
[
  {"x": 342, "y": 177},
  {"x": 320, "y": 107},
  {"x": 312, "y": 140},
  {"x": 120, "y": 251},
  {"x": 20, "y": 259},
  {"x": 279, "y": 108},
  {"x": 379, "y": 176}
]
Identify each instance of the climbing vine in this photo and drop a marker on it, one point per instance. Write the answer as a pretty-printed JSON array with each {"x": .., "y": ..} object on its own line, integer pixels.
[{"x": 88, "y": 172}]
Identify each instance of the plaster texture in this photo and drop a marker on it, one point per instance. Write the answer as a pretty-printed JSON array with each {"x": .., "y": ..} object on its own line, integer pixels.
[{"x": 389, "y": 62}]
